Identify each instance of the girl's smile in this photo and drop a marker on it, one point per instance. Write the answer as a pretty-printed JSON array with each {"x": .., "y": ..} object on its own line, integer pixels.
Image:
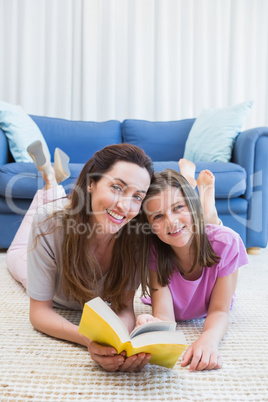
[
  {"x": 170, "y": 218},
  {"x": 177, "y": 232}
]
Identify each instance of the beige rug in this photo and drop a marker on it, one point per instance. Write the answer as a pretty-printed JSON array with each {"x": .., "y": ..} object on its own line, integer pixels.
[{"x": 35, "y": 367}]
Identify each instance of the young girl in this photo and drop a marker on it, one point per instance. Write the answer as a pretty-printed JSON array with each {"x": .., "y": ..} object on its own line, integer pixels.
[
  {"x": 84, "y": 246},
  {"x": 193, "y": 267}
]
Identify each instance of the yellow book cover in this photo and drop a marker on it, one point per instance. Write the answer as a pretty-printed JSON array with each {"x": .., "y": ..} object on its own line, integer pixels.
[{"x": 160, "y": 339}]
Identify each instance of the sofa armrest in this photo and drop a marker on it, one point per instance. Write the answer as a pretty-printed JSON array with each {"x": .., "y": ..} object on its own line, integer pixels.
[
  {"x": 251, "y": 152},
  {"x": 5, "y": 155}
]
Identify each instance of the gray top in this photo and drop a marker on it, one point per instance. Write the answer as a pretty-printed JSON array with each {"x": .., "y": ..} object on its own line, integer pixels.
[{"x": 44, "y": 262}]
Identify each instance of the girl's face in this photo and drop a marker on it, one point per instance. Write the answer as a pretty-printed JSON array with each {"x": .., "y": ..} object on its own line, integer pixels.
[
  {"x": 117, "y": 197},
  {"x": 170, "y": 218}
]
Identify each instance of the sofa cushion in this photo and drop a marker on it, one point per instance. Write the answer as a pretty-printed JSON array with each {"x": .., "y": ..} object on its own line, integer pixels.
[
  {"x": 213, "y": 133},
  {"x": 162, "y": 141},
  {"x": 79, "y": 139},
  {"x": 22, "y": 180},
  {"x": 20, "y": 131},
  {"x": 230, "y": 178}
]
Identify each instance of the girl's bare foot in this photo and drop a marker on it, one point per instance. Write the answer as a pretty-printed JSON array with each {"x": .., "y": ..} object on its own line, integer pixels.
[
  {"x": 206, "y": 189},
  {"x": 187, "y": 169}
]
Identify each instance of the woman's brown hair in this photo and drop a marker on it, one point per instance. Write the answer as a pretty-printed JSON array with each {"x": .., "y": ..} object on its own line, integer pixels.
[
  {"x": 80, "y": 267},
  {"x": 204, "y": 255}
]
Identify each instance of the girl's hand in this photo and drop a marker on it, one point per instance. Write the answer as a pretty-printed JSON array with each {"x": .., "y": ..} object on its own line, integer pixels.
[
  {"x": 203, "y": 355},
  {"x": 144, "y": 318}
]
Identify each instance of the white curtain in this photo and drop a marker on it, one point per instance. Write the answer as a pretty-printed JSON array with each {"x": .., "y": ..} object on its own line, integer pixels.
[{"x": 143, "y": 59}]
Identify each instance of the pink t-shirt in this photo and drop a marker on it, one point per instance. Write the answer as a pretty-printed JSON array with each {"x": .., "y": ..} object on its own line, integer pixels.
[{"x": 191, "y": 298}]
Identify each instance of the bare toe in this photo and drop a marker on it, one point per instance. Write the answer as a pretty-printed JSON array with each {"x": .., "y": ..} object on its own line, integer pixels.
[
  {"x": 205, "y": 178},
  {"x": 187, "y": 169}
]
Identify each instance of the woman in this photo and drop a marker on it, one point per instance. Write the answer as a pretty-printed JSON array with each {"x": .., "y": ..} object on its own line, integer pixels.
[{"x": 84, "y": 246}]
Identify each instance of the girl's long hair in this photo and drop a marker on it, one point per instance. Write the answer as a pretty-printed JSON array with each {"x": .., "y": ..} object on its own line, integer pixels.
[
  {"x": 201, "y": 249},
  {"x": 81, "y": 270}
]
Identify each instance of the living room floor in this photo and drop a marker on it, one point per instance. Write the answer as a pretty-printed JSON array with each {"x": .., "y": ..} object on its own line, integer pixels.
[{"x": 39, "y": 368}]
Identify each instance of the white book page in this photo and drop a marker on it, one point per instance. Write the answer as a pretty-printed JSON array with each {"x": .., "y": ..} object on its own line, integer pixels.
[
  {"x": 158, "y": 337},
  {"x": 153, "y": 326},
  {"x": 110, "y": 317}
]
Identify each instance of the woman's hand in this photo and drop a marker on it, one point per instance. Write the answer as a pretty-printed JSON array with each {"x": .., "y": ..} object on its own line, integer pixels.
[
  {"x": 203, "y": 354},
  {"x": 135, "y": 362},
  {"x": 105, "y": 356},
  {"x": 144, "y": 318},
  {"x": 109, "y": 360}
]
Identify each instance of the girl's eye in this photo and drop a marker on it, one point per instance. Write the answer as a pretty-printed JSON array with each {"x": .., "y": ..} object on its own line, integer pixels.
[
  {"x": 178, "y": 207},
  {"x": 157, "y": 217}
]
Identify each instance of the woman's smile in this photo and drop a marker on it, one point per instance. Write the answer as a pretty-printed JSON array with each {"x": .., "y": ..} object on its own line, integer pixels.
[
  {"x": 115, "y": 216},
  {"x": 117, "y": 197}
]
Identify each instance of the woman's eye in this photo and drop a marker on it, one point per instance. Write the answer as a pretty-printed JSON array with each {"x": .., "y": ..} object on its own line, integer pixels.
[
  {"x": 116, "y": 187},
  {"x": 138, "y": 197}
]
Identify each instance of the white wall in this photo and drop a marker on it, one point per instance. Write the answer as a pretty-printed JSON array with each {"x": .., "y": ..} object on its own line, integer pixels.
[{"x": 145, "y": 59}]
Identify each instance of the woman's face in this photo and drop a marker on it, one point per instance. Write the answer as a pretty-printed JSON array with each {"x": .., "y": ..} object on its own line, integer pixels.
[
  {"x": 117, "y": 197},
  {"x": 170, "y": 218}
]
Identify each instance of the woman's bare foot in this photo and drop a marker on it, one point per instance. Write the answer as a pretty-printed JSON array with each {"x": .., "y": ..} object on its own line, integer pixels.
[
  {"x": 206, "y": 189},
  {"x": 187, "y": 169}
]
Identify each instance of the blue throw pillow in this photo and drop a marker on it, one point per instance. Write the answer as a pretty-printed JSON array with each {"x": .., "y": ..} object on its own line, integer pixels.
[
  {"x": 213, "y": 133},
  {"x": 20, "y": 131}
]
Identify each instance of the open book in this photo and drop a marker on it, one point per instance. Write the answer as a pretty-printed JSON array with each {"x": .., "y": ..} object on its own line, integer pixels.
[{"x": 160, "y": 339}]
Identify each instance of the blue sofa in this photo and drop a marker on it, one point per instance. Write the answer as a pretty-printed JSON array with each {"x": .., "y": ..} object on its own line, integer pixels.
[{"x": 241, "y": 185}]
